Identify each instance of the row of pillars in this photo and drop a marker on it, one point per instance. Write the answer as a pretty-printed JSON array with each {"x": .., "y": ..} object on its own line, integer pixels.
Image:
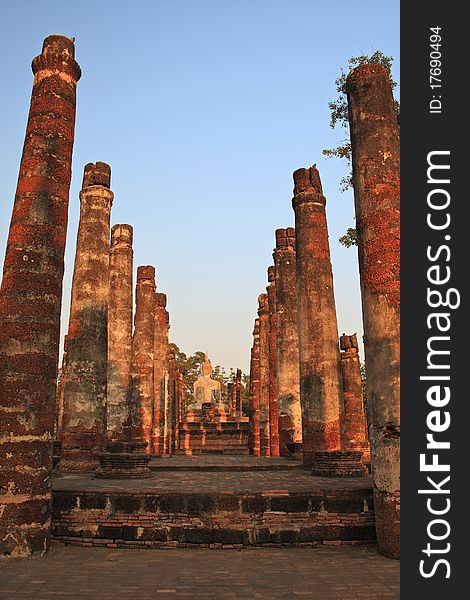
[
  {"x": 314, "y": 406},
  {"x": 296, "y": 356},
  {"x": 118, "y": 383},
  {"x": 115, "y": 386}
]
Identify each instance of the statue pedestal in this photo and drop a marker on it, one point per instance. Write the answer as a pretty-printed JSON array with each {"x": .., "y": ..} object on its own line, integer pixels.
[{"x": 124, "y": 460}]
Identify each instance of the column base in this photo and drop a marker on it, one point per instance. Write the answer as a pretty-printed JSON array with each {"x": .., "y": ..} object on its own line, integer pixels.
[
  {"x": 338, "y": 463},
  {"x": 124, "y": 460},
  {"x": 295, "y": 451}
]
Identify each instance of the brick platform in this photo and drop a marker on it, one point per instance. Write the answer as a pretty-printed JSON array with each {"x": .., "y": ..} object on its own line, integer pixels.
[
  {"x": 213, "y": 509},
  {"x": 229, "y": 437}
]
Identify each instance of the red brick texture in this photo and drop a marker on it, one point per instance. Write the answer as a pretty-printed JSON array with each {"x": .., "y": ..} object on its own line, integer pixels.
[
  {"x": 375, "y": 145},
  {"x": 30, "y": 303}
]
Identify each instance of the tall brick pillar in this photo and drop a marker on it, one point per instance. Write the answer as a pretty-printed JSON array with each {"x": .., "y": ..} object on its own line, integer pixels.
[
  {"x": 143, "y": 354},
  {"x": 160, "y": 368},
  {"x": 238, "y": 395},
  {"x": 288, "y": 377},
  {"x": 85, "y": 379},
  {"x": 355, "y": 417},
  {"x": 264, "y": 433},
  {"x": 30, "y": 303},
  {"x": 376, "y": 174},
  {"x": 120, "y": 309},
  {"x": 272, "y": 365},
  {"x": 254, "y": 392},
  {"x": 172, "y": 400},
  {"x": 320, "y": 376}
]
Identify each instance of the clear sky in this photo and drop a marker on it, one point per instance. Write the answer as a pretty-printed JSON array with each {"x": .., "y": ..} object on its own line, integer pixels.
[{"x": 203, "y": 109}]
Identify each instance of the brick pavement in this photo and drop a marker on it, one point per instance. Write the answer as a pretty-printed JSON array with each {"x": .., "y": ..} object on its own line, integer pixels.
[
  {"x": 207, "y": 482},
  {"x": 217, "y": 462},
  {"x": 324, "y": 573}
]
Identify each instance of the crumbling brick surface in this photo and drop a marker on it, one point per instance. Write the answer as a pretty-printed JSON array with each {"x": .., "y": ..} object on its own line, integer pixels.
[
  {"x": 143, "y": 354},
  {"x": 85, "y": 377},
  {"x": 287, "y": 343},
  {"x": 162, "y": 324},
  {"x": 120, "y": 310},
  {"x": 264, "y": 419},
  {"x": 30, "y": 302},
  {"x": 246, "y": 519},
  {"x": 254, "y": 393},
  {"x": 375, "y": 148},
  {"x": 356, "y": 437},
  {"x": 320, "y": 377},
  {"x": 272, "y": 366}
]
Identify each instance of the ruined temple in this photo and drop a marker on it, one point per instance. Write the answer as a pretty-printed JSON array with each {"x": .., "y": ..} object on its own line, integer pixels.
[{"x": 117, "y": 408}]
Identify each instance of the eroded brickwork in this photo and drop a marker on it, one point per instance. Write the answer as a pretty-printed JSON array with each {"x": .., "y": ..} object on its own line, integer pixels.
[
  {"x": 354, "y": 413},
  {"x": 143, "y": 354},
  {"x": 160, "y": 369},
  {"x": 288, "y": 376},
  {"x": 376, "y": 174},
  {"x": 254, "y": 393},
  {"x": 120, "y": 309},
  {"x": 272, "y": 365},
  {"x": 264, "y": 421},
  {"x": 320, "y": 378},
  {"x": 30, "y": 303},
  {"x": 85, "y": 380}
]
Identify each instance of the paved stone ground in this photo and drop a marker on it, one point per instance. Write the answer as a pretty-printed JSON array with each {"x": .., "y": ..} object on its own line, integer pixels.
[
  {"x": 212, "y": 462},
  {"x": 208, "y": 482},
  {"x": 333, "y": 573}
]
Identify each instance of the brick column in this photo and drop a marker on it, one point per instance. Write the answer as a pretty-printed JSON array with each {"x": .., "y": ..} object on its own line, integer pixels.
[
  {"x": 238, "y": 395},
  {"x": 355, "y": 417},
  {"x": 264, "y": 434},
  {"x": 376, "y": 173},
  {"x": 321, "y": 391},
  {"x": 160, "y": 368},
  {"x": 172, "y": 400},
  {"x": 254, "y": 392},
  {"x": 85, "y": 379},
  {"x": 120, "y": 309},
  {"x": 30, "y": 303},
  {"x": 272, "y": 365},
  {"x": 288, "y": 376},
  {"x": 143, "y": 354}
]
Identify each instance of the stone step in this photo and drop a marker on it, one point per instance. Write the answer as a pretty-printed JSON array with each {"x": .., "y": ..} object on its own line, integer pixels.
[{"x": 240, "y": 519}]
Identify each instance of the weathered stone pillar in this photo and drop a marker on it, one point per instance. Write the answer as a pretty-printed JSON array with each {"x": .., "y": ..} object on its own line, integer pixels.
[
  {"x": 160, "y": 369},
  {"x": 264, "y": 433},
  {"x": 172, "y": 400},
  {"x": 320, "y": 377},
  {"x": 288, "y": 376},
  {"x": 85, "y": 379},
  {"x": 232, "y": 397},
  {"x": 60, "y": 394},
  {"x": 355, "y": 416},
  {"x": 30, "y": 303},
  {"x": 272, "y": 365},
  {"x": 376, "y": 174},
  {"x": 143, "y": 354},
  {"x": 254, "y": 392},
  {"x": 120, "y": 309},
  {"x": 238, "y": 395}
]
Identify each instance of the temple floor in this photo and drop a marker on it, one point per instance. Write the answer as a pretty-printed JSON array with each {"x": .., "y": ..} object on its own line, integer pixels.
[
  {"x": 216, "y": 505},
  {"x": 323, "y": 573}
]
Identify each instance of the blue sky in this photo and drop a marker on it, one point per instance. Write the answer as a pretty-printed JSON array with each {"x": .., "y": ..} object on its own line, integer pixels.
[{"x": 203, "y": 109}]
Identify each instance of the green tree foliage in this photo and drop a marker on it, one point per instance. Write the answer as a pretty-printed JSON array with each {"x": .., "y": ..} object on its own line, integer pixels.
[
  {"x": 339, "y": 117},
  {"x": 190, "y": 367}
]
